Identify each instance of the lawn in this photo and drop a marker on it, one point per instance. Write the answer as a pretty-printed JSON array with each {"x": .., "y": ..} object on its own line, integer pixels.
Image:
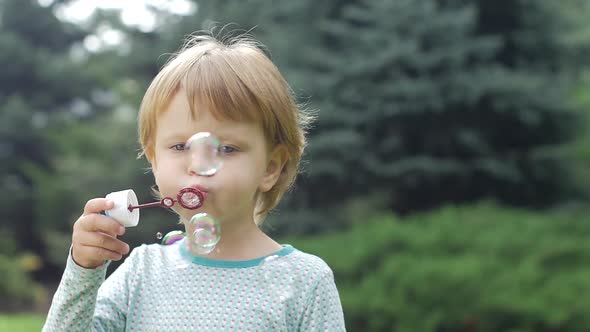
[{"x": 21, "y": 322}]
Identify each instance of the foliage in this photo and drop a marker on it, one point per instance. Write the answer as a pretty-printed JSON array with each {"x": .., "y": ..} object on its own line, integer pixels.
[
  {"x": 39, "y": 84},
  {"x": 470, "y": 103},
  {"x": 581, "y": 146},
  {"x": 17, "y": 290},
  {"x": 478, "y": 268}
]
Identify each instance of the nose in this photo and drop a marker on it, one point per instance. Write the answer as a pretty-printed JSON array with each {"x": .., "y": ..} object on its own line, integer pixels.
[
  {"x": 203, "y": 154},
  {"x": 204, "y": 160},
  {"x": 199, "y": 164}
]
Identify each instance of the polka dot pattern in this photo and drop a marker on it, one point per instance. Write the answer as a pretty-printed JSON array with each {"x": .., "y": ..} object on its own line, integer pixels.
[{"x": 160, "y": 288}]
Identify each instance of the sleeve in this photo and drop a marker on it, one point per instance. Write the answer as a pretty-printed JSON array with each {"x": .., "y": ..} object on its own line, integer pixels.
[
  {"x": 84, "y": 301},
  {"x": 324, "y": 310}
]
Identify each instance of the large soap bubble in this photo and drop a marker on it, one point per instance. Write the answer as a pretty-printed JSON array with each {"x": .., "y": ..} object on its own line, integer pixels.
[{"x": 205, "y": 154}]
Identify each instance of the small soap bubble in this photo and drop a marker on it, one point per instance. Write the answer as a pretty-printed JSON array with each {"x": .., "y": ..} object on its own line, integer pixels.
[
  {"x": 205, "y": 154},
  {"x": 206, "y": 233},
  {"x": 276, "y": 275},
  {"x": 159, "y": 235},
  {"x": 172, "y": 237}
]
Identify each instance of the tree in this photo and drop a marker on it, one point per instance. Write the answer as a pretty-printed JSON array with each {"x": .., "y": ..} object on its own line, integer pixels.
[
  {"x": 39, "y": 84},
  {"x": 470, "y": 103},
  {"x": 447, "y": 110}
]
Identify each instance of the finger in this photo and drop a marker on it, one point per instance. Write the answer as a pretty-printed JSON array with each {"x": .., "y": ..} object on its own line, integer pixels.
[
  {"x": 98, "y": 205},
  {"x": 98, "y": 253},
  {"x": 101, "y": 240},
  {"x": 109, "y": 233},
  {"x": 100, "y": 223}
]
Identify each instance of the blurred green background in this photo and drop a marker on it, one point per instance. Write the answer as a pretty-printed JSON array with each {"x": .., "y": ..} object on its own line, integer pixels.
[{"x": 446, "y": 181}]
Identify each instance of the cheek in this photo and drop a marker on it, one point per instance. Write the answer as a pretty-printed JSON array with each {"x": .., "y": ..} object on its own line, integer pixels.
[
  {"x": 234, "y": 180},
  {"x": 155, "y": 173},
  {"x": 241, "y": 171},
  {"x": 162, "y": 173}
]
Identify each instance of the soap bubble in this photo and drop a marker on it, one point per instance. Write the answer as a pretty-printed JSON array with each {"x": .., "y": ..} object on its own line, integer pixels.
[
  {"x": 276, "y": 275},
  {"x": 204, "y": 153},
  {"x": 159, "y": 235},
  {"x": 206, "y": 233},
  {"x": 172, "y": 237}
]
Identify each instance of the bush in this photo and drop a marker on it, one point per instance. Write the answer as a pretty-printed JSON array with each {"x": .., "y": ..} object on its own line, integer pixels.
[
  {"x": 475, "y": 268},
  {"x": 17, "y": 290}
]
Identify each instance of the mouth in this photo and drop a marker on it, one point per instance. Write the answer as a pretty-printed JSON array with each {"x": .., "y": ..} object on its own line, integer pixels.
[{"x": 200, "y": 189}]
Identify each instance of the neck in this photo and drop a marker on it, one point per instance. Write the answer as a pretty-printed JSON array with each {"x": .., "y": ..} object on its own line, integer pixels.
[{"x": 242, "y": 241}]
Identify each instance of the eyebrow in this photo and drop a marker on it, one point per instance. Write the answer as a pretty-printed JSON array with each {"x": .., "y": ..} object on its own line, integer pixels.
[
  {"x": 172, "y": 137},
  {"x": 222, "y": 138},
  {"x": 233, "y": 138}
]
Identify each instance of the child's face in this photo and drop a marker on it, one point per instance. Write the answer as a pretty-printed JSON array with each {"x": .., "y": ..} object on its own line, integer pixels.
[{"x": 248, "y": 167}]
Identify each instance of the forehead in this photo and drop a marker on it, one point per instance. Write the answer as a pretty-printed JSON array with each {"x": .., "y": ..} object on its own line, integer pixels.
[{"x": 183, "y": 119}]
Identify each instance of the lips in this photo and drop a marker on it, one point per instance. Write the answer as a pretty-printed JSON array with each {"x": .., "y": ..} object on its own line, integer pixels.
[{"x": 201, "y": 190}]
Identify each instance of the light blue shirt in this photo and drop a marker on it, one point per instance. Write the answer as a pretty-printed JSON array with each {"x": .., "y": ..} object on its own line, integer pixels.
[{"x": 165, "y": 288}]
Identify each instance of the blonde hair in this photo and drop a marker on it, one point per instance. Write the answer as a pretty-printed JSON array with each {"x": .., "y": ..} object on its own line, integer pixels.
[{"x": 234, "y": 79}]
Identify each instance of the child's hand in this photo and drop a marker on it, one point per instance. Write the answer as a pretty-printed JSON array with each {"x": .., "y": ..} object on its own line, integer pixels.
[{"x": 94, "y": 238}]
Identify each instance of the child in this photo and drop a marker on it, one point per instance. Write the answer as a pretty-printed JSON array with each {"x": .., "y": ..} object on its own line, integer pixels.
[{"x": 232, "y": 90}]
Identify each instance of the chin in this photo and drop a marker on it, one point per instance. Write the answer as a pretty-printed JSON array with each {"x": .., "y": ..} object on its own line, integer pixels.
[{"x": 186, "y": 215}]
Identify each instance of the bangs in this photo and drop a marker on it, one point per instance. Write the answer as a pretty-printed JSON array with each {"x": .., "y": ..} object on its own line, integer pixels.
[{"x": 212, "y": 84}]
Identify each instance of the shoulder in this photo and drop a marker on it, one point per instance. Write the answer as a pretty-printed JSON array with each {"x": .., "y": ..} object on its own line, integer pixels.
[
  {"x": 144, "y": 250},
  {"x": 152, "y": 254},
  {"x": 146, "y": 263},
  {"x": 315, "y": 281},
  {"x": 311, "y": 266},
  {"x": 319, "y": 307}
]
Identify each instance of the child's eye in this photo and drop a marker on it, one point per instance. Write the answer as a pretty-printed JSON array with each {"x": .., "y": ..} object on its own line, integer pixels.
[
  {"x": 178, "y": 147},
  {"x": 227, "y": 149}
]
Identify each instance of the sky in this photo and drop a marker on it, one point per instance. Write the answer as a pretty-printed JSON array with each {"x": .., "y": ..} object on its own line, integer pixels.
[{"x": 133, "y": 12}]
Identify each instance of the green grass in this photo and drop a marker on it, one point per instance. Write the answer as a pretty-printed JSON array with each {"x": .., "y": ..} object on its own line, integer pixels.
[{"x": 21, "y": 322}]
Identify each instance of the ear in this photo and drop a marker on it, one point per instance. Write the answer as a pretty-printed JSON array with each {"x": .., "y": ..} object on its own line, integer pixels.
[{"x": 274, "y": 168}]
